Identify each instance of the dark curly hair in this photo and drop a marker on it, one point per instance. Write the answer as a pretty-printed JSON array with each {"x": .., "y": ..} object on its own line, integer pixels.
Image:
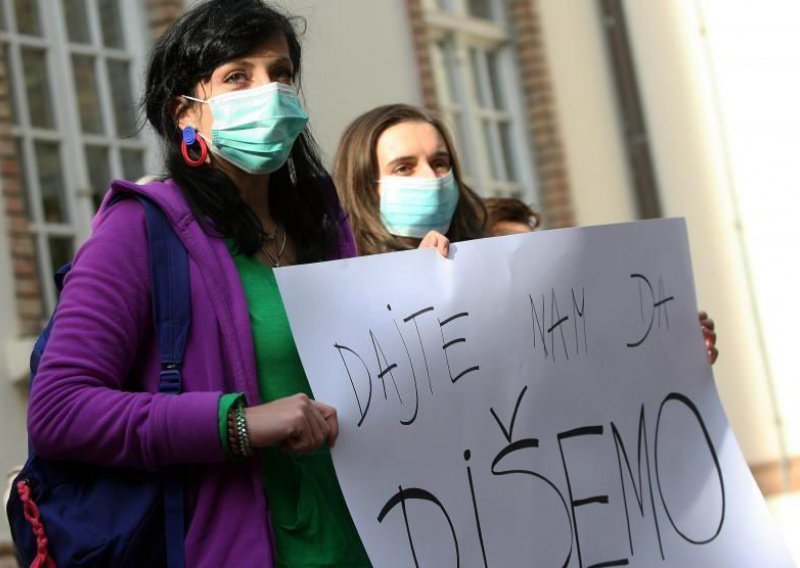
[{"x": 512, "y": 210}]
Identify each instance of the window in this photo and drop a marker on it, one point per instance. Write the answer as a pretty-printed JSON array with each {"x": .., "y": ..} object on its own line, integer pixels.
[
  {"x": 70, "y": 65},
  {"x": 480, "y": 95}
]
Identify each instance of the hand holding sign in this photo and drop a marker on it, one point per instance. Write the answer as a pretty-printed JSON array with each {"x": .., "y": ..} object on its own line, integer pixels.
[{"x": 296, "y": 423}]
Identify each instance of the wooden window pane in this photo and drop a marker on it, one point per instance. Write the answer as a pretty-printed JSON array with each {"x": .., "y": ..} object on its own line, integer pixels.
[
  {"x": 479, "y": 85},
  {"x": 26, "y": 198},
  {"x": 12, "y": 98},
  {"x": 487, "y": 135},
  {"x": 27, "y": 13},
  {"x": 62, "y": 250},
  {"x": 508, "y": 151},
  {"x": 494, "y": 80},
  {"x": 99, "y": 172},
  {"x": 464, "y": 152},
  {"x": 132, "y": 164},
  {"x": 122, "y": 98},
  {"x": 440, "y": 57},
  {"x": 34, "y": 66},
  {"x": 77, "y": 21},
  {"x": 480, "y": 9},
  {"x": 83, "y": 66},
  {"x": 451, "y": 70},
  {"x": 111, "y": 24},
  {"x": 51, "y": 181}
]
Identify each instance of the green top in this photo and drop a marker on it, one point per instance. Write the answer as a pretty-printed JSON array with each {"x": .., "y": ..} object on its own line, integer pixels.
[{"x": 312, "y": 524}]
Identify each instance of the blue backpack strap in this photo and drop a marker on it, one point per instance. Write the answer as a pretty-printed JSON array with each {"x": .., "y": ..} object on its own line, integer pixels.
[
  {"x": 169, "y": 269},
  {"x": 172, "y": 315}
]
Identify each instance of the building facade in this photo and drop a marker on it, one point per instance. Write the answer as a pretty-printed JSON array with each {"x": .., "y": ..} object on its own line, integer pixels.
[{"x": 596, "y": 112}]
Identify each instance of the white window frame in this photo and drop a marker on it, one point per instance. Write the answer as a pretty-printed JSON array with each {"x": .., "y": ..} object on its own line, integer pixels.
[
  {"x": 449, "y": 21},
  {"x": 66, "y": 131}
]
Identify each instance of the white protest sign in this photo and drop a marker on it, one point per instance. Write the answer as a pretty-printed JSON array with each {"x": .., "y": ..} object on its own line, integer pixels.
[{"x": 536, "y": 400}]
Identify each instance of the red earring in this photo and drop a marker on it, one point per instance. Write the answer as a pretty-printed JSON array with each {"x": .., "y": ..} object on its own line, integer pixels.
[{"x": 190, "y": 138}]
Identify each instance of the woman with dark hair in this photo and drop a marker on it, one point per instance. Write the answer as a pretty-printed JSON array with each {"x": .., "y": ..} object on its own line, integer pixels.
[
  {"x": 245, "y": 192},
  {"x": 510, "y": 216},
  {"x": 400, "y": 182}
]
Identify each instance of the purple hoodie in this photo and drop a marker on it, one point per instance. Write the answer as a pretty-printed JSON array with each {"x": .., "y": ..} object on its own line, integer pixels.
[{"x": 80, "y": 407}]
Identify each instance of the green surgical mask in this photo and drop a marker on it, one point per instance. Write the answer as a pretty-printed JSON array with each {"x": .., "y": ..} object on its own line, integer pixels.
[{"x": 255, "y": 129}]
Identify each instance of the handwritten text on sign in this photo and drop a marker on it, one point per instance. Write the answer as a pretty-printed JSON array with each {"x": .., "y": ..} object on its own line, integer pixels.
[{"x": 537, "y": 400}]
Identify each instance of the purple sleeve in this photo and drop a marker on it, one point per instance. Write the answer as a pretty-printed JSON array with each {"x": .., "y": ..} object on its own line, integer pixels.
[
  {"x": 78, "y": 408},
  {"x": 347, "y": 242}
]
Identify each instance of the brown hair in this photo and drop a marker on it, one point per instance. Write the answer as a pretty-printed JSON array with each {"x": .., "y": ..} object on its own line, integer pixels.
[
  {"x": 513, "y": 210},
  {"x": 355, "y": 172}
]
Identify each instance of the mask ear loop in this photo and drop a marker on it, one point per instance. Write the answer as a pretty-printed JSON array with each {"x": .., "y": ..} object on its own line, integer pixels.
[
  {"x": 292, "y": 171},
  {"x": 190, "y": 138}
]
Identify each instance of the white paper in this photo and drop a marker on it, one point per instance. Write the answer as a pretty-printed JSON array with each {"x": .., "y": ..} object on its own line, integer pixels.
[{"x": 511, "y": 436}]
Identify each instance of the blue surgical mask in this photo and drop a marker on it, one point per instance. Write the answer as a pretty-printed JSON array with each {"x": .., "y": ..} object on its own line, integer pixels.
[
  {"x": 255, "y": 129},
  {"x": 414, "y": 206}
]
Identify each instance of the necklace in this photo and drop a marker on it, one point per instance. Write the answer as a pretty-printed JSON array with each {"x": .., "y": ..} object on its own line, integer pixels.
[
  {"x": 275, "y": 261},
  {"x": 269, "y": 237}
]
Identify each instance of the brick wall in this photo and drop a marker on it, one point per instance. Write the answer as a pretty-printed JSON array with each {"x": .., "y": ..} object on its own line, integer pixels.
[
  {"x": 23, "y": 250},
  {"x": 422, "y": 54},
  {"x": 543, "y": 126}
]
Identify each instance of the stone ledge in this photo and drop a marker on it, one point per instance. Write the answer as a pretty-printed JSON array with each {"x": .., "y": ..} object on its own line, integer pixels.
[
  {"x": 7, "y": 558},
  {"x": 17, "y": 358},
  {"x": 769, "y": 476}
]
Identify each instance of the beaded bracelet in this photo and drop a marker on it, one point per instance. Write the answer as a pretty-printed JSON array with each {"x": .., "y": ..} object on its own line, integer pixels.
[
  {"x": 233, "y": 438},
  {"x": 242, "y": 435},
  {"x": 238, "y": 435}
]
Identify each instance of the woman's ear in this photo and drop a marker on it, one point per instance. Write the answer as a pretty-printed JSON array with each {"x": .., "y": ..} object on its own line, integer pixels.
[{"x": 183, "y": 112}]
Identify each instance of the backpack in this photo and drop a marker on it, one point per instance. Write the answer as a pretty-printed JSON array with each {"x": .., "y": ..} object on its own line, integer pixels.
[{"x": 82, "y": 515}]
